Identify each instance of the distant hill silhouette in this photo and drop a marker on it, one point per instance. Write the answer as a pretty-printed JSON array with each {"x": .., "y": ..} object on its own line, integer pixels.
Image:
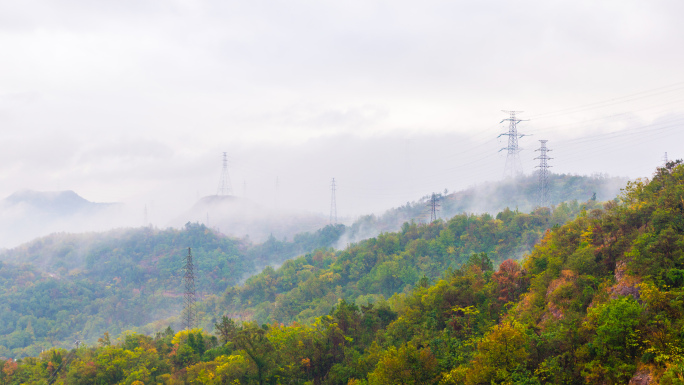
[
  {"x": 28, "y": 214},
  {"x": 53, "y": 202}
]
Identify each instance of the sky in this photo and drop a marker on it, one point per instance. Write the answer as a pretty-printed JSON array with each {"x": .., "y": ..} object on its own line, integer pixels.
[{"x": 135, "y": 101}]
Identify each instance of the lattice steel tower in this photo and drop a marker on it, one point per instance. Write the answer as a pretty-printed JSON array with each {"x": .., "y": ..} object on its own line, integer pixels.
[
  {"x": 543, "y": 174},
  {"x": 224, "y": 187},
  {"x": 333, "y": 203},
  {"x": 189, "y": 316},
  {"x": 513, "y": 165},
  {"x": 433, "y": 205}
]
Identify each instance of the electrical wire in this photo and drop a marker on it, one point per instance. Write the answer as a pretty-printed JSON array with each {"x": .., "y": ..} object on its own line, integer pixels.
[{"x": 478, "y": 166}]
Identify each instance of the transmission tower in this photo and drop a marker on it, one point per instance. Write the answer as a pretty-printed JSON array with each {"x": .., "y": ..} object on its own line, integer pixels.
[
  {"x": 333, "y": 203},
  {"x": 189, "y": 316},
  {"x": 224, "y": 187},
  {"x": 665, "y": 160},
  {"x": 513, "y": 165},
  {"x": 433, "y": 205},
  {"x": 543, "y": 173}
]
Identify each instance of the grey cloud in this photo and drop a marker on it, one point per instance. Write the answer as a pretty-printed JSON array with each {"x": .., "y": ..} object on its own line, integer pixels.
[{"x": 136, "y": 100}]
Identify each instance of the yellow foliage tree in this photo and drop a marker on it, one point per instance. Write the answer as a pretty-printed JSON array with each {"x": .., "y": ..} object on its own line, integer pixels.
[
  {"x": 406, "y": 365},
  {"x": 501, "y": 350},
  {"x": 182, "y": 335}
]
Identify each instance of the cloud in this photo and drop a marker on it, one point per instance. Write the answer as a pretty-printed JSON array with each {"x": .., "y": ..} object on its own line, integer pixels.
[{"x": 135, "y": 100}]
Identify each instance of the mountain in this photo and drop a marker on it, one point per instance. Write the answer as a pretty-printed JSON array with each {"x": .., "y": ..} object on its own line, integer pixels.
[
  {"x": 28, "y": 214},
  {"x": 522, "y": 193},
  {"x": 518, "y": 194},
  {"x": 119, "y": 272},
  {"x": 57, "y": 203},
  {"x": 598, "y": 300},
  {"x": 375, "y": 269},
  {"x": 240, "y": 217},
  {"x": 77, "y": 286}
]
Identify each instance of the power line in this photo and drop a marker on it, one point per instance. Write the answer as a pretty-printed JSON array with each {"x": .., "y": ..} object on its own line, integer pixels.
[
  {"x": 621, "y": 99},
  {"x": 638, "y": 131},
  {"x": 579, "y": 148},
  {"x": 189, "y": 316},
  {"x": 582, "y": 147},
  {"x": 65, "y": 363},
  {"x": 618, "y": 140},
  {"x": 513, "y": 166}
]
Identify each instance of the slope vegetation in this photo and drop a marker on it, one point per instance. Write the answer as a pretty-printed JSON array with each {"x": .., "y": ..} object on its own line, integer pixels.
[
  {"x": 520, "y": 194},
  {"x": 66, "y": 287},
  {"x": 599, "y": 300},
  {"x": 375, "y": 269}
]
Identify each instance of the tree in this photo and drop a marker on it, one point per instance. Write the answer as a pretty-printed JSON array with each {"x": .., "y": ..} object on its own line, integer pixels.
[
  {"x": 252, "y": 339},
  {"x": 7, "y": 370},
  {"x": 406, "y": 365},
  {"x": 616, "y": 344},
  {"x": 226, "y": 329},
  {"x": 509, "y": 283},
  {"x": 499, "y": 354},
  {"x": 480, "y": 261}
]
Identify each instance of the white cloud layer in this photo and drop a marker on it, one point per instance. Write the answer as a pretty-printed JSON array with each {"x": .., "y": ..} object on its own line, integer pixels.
[{"x": 134, "y": 101}]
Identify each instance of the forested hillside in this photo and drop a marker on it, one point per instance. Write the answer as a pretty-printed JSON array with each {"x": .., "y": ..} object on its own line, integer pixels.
[
  {"x": 80, "y": 285},
  {"x": 599, "y": 300},
  {"x": 375, "y": 269},
  {"x": 65, "y": 287},
  {"x": 520, "y": 194}
]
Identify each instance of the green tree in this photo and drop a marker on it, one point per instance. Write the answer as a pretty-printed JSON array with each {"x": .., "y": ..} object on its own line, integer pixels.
[
  {"x": 253, "y": 341},
  {"x": 227, "y": 329},
  {"x": 615, "y": 341},
  {"x": 499, "y": 354}
]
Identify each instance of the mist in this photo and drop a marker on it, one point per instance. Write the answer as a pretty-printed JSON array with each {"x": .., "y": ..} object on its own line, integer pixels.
[
  {"x": 26, "y": 215},
  {"x": 374, "y": 174},
  {"x": 135, "y": 103}
]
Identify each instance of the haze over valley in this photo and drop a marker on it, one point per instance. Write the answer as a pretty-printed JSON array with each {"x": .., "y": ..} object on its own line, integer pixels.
[{"x": 352, "y": 193}]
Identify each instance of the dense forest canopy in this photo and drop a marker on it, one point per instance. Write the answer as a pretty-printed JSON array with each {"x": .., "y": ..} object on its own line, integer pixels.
[
  {"x": 66, "y": 287},
  {"x": 596, "y": 301},
  {"x": 375, "y": 269}
]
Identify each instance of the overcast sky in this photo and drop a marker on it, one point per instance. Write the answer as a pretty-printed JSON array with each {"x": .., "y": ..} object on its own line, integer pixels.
[{"x": 135, "y": 100}]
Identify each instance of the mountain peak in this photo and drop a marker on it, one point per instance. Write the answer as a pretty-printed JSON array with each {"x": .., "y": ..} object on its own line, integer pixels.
[
  {"x": 56, "y": 202},
  {"x": 33, "y": 197}
]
